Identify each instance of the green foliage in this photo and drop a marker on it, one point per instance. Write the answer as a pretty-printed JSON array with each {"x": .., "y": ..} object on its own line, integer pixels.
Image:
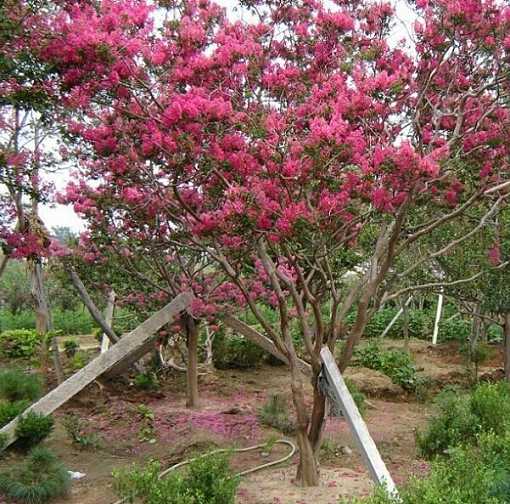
[
  {"x": 208, "y": 480},
  {"x": 15, "y": 385},
  {"x": 275, "y": 413},
  {"x": 396, "y": 364},
  {"x": 9, "y": 411},
  {"x": 461, "y": 418},
  {"x": 41, "y": 479},
  {"x": 3, "y": 442},
  {"x": 235, "y": 352},
  {"x": 456, "y": 329},
  {"x": 70, "y": 322},
  {"x": 80, "y": 359},
  {"x": 471, "y": 475},
  {"x": 357, "y": 395},
  {"x": 71, "y": 346},
  {"x": 146, "y": 381},
  {"x": 33, "y": 428},
  {"x": 76, "y": 430},
  {"x": 19, "y": 343}
]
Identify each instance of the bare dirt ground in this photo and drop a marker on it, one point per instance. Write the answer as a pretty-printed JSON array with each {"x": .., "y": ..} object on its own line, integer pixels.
[{"x": 228, "y": 417}]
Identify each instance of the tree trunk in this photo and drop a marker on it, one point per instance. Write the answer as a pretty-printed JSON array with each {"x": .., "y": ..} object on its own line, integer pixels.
[
  {"x": 506, "y": 329},
  {"x": 192, "y": 369},
  {"x": 43, "y": 319},
  {"x": 318, "y": 419},
  {"x": 308, "y": 469},
  {"x": 209, "y": 358}
]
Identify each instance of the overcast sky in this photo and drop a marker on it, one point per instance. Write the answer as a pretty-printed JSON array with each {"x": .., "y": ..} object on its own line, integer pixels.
[{"x": 60, "y": 215}]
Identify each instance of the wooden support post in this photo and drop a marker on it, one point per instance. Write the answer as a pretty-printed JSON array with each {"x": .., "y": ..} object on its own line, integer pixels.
[
  {"x": 125, "y": 351},
  {"x": 108, "y": 317},
  {"x": 342, "y": 397},
  {"x": 91, "y": 307},
  {"x": 262, "y": 341},
  {"x": 396, "y": 317},
  {"x": 438, "y": 318}
]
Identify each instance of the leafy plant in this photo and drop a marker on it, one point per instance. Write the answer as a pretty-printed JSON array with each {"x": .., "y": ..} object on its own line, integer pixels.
[
  {"x": 208, "y": 480},
  {"x": 275, "y": 413},
  {"x": 146, "y": 381},
  {"x": 9, "y": 411},
  {"x": 235, "y": 352},
  {"x": 147, "y": 431},
  {"x": 19, "y": 343},
  {"x": 15, "y": 385},
  {"x": 42, "y": 478},
  {"x": 79, "y": 360},
  {"x": 358, "y": 396},
  {"x": 33, "y": 428},
  {"x": 71, "y": 346},
  {"x": 3, "y": 442},
  {"x": 462, "y": 417},
  {"x": 75, "y": 428},
  {"x": 396, "y": 364},
  {"x": 471, "y": 475}
]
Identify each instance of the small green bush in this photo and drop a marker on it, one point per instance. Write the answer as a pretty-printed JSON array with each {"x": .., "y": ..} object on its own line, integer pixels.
[
  {"x": 208, "y": 480},
  {"x": 19, "y": 343},
  {"x": 146, "y": 381},
  {"x": 235, "y": 352},
  {"x": 15, "y": 385},
  {"x": 396, "y": 364},
  {"x": 79, "y": 360},
  {"x": 33, "y": 428},
  {"x": 275, "y": 413},
  {"x": 71, "y": 346},
  {"x": 9, "y": 411},
  {"x": 76, "y": 430},
  {"x": 3, "y": 442},
  {"x": 358, "y": 396},
  {"x": 41, "y": 479},
  {"x": 461, "y": 418},
  {"x": 471, "y": 475}
]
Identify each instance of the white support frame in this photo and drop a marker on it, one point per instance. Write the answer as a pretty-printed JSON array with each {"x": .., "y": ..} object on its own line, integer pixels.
[{"x": 369, "y": 452}]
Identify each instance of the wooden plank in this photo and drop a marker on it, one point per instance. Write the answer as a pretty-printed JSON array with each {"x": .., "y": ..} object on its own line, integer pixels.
[
  {"x": 371, "y": 456},
  {"x": 108, "y": 317},
  {"x": 91, "y": 307},
  {"x": 262, "y": 341},
  {"x": 125, "y": 350}
]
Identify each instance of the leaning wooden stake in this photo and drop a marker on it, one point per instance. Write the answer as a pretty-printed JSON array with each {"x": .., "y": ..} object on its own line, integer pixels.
[
  {"x": 91, "y": 307},
  {"x": 342, "y": 397},
  {"x": 108, "y": 317},
  {"x": 122, "y": 353}
]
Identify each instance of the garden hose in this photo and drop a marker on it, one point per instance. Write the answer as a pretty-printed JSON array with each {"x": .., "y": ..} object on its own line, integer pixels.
[{"x": 235, "y": 450}]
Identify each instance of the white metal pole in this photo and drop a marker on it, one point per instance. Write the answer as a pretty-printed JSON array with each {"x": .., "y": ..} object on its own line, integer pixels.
[
  {"x": 438, "y": 318},
  {"x": 396, "y": 317}
]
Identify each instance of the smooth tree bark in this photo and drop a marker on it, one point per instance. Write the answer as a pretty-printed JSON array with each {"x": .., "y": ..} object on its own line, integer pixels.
[{"x": 191, "y": 328}]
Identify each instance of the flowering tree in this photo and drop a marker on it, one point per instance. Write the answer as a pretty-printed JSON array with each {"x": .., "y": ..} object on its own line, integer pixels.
[{"x": 287, "y": 149}]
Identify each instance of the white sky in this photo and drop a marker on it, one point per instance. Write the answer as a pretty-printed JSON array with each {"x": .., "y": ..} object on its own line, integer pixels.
[{"x": 63, "y": 216}]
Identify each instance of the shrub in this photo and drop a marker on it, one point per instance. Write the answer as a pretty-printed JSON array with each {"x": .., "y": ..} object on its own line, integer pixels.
[
  {"x": 71, "y": 346},
  {"x": 208, "y": 480},
  {"x": 396, "y": 364},
  {"x": 146, "y": 381},
  {"x": 40, "y": 479},
  {"x": 19, "y": 343},
  {"x": 357, "y": 396},
  {"x": 235, "y": 352},
  {"x": 275, "y": 413},
  {"x": 3, "y": 442},
  {"x": 471, "y": 475},
  {"x": 79, "y": 360},
  {"x": 32, "y": 428},
  {"x": 75, "y": 428},
  {"x": 9, "y": 411},
  {"x": 15, "y": 385},
  {"x": 462, "y": 417}
]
